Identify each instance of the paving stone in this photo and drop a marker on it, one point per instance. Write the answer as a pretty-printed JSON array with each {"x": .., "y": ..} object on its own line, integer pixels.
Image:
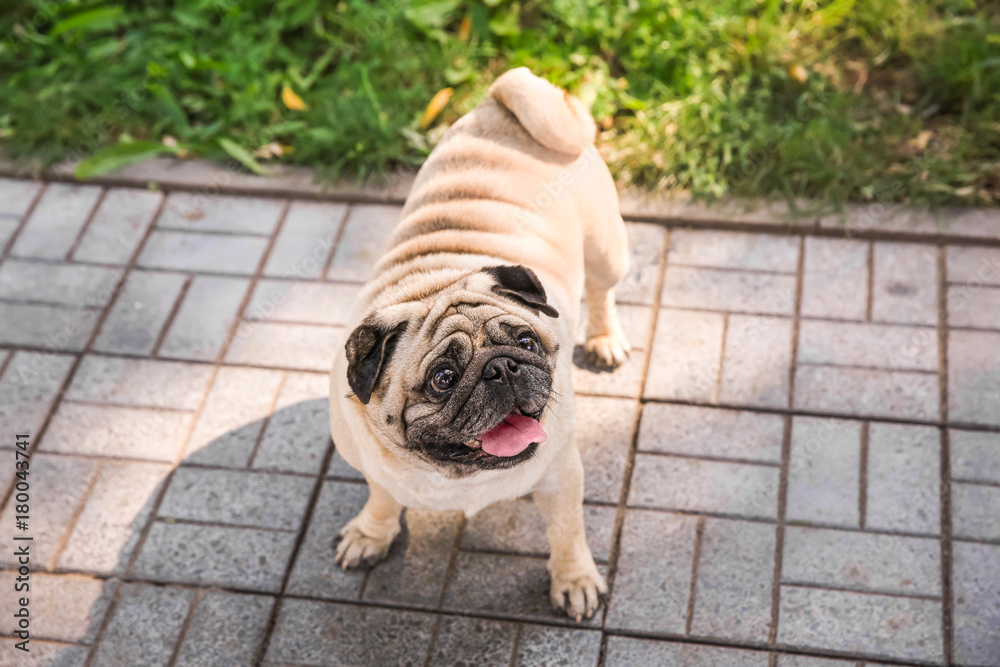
[
  {"x": 734, "y": 250},
  {"x": 861, "y": 561},
  {"x": 544, "y": 646},
  {"x": 315, "y": 573},
  {"x": 56, "y": 221},
  {"x": 862, "y": 391},
  {"x": 16, "y": 196},
  {"x": 879, "y": 217},
  {"x": 824, "y": 472},
  {"x": 625, "y": 380},
  {"x": 237, "y": 498},
  {"x": 292, "y": 346},
  {"x": 654, "y": 573},
  {"x": 519, "y": 587},
  {"x": 876, "y": 625},
  {"x": 108, "y": 528},
  {"x": 974, "y": 308},
  {"x": 54, "y": 328},
  {"x": 645, "y": 247},
  {"x": 202, "y": 324},
  {"x": 976, "y": 576},
  {"x": 973, "y": 266},
  {"x": 331, "y": 634},
  {"x": 301, "y": 302},
  {"x": 975, "y": 511},
  {"x": 975, "y": 456},
  {"x": 234, "y": 413},
  {"x": 28, "y": 389},
  {"x": 732, "y": 291},
  {"x": 687, "y": 347},
  {"x": 215, "y": 556},
  {"x": 693, "y": 485},
  {"x": 74, "y": 285},
  {"x": 835, "y": 279},
  {"x": 473, "y": 642},
  {"x": 62, "y": 608},
  {"x": 905, "y": 284},
  {"x": 604, "y": 437},
  {"x": 790, "y": 660},
  {"x": 306, "y": 239},
  {"x": 871, "y": 345},
  {"x": 226, "y": 629},
  {"x": 44, "y": 654},
  {"x": 219, "y": 213},
  {"x": 137, "y": 433},
  {"x": 140, "y": 382},
  {"x": 118, "y": 226},
  {"x": 147, "y": 622},
  {"x": 700, "y": 431},
  {"x": 417, "y": 565},
  {"x": 756, "y": 362},
  {"x": 341, "y": 469},
  {"x": 58, "y": 486},
  {"x": 140, "y": 312},
  {"x": 298, "y": 433},
  {"x": 649, "y": 652},
  {"x": 973, "y": 377},
  {"x": 516, "y": 526},
  {"x": 735, "y": 573},
  {"x": 210, "y": 253},
  {"x": 904, "y": 478},
  {"x": 8, "y": 226},
  {"x": 362, "y": 242}
]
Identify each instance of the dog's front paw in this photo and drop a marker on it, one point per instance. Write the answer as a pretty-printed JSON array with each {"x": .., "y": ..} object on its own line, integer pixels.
[
  {"x": 357, "y": 547},
  {"x": 607, "y": 351},
  {"x": 579, "y": 592}
]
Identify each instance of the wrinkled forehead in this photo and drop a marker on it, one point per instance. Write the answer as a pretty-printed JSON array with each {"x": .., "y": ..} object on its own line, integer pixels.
[{"x": 477, "y": 321}]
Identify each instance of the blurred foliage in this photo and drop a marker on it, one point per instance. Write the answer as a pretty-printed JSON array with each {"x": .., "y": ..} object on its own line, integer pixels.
[{"x": 889, "y": 100}]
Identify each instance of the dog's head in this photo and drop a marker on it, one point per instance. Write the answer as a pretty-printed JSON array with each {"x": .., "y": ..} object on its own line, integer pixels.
[{"x": 462, "y": 376}]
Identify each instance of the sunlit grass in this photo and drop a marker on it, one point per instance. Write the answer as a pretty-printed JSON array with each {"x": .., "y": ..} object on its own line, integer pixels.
[{"x": 878, "y": 100}]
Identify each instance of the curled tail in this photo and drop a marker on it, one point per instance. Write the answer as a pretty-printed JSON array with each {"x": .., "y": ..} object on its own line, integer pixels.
[{"x": 553, "y": 117}]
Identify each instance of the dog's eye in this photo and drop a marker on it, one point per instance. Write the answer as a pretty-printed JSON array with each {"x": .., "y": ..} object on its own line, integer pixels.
[
  {"x": 528, "y": 343},
  {"x": 444, "y": 380}
]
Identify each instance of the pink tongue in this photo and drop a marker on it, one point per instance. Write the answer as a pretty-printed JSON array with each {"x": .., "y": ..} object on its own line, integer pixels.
[{"x": 512, "y": 436}]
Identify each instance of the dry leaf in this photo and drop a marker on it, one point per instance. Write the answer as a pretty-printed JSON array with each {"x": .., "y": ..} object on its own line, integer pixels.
[
  {"x": 435, "y": 106},
  {"x": 292, "y": 101},
  {"x": 799, "y": 73},
  {"x": 919, "y": 143},
  {"x": 465, "y": 29}
]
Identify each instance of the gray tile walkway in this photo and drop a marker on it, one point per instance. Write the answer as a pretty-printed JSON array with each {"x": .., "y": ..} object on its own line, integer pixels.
[{"x": 799, "y": 467}]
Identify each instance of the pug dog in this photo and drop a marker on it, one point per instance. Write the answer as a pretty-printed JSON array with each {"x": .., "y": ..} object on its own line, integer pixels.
[{"x": 454, "y": 388}]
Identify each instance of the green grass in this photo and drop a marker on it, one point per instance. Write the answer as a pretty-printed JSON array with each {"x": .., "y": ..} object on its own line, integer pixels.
[{"x": 887, "y": 100}]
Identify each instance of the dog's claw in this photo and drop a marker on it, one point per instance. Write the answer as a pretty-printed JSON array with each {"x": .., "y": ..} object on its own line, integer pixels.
[
  {"x": 608, "y": 351},
  {"x": 578, "y": 595},
  {"x": 356, "y": 548}
]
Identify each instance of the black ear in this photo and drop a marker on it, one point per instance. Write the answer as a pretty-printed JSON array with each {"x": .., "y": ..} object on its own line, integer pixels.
[
  {"x": 521, "y": 284},
  {"x": 368, "y": 350}
]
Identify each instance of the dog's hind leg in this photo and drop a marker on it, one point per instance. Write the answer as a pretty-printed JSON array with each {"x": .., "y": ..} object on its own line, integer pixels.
[
  {"x": 605, "y": 257},
  {"x": 365, "y": 539}
]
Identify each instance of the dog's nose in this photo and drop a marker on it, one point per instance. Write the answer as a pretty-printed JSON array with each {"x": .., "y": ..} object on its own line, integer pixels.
[{"x": 497, "y": 370}]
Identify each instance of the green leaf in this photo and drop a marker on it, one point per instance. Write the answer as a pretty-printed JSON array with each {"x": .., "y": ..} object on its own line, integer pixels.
[
  {"x": 506, "y": 23},
  {"x": 172, "y": 107},
  {"x": 243, "y": 156},
  {"x": 95, "y": 19},
  {"x": 115, "y": 157},
  {"x": 430, "y": 14}
]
